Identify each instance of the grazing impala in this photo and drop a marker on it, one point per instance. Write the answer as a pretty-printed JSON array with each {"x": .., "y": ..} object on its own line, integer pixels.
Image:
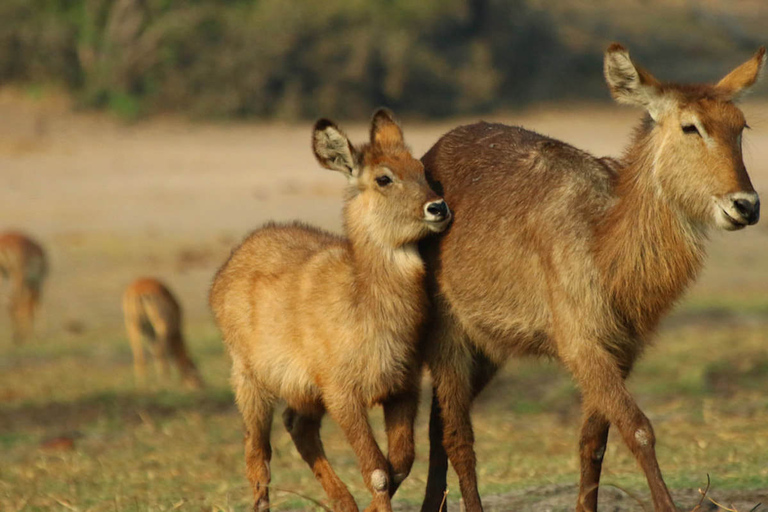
[
  {"x": 332, "y": 324},
  {"x": 151, "y": 311},
  {"x": 578, "y": 260},
  {"x": 23, "y": 263}
]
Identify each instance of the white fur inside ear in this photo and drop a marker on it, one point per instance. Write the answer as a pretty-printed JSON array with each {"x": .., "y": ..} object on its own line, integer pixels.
[
  {"x": 620, "y": 73},
  {"x": 627, "y": 86},
  {"x": 333, "y": 151}
]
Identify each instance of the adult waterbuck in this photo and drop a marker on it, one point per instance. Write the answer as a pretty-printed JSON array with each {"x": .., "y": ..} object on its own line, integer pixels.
[
  {"x": 332, "y": 324},
  {"x": 556, "y": 253},
  {"x": 152, "y": 312},
  {"x": 23, "y": 263}
]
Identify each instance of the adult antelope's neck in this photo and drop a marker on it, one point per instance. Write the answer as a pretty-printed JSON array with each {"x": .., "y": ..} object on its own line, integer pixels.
[{"x": 648, "y": 252}]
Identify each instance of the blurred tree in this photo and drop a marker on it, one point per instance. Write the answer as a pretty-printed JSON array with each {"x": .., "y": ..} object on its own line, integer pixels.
[{"x": 297, "y": 59}]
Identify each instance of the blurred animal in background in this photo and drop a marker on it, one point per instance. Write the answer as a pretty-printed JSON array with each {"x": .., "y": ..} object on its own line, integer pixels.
[
  {"x": 579, "y": 259},
  {"x": 23, "y": 264},
  {"x": 331, "y": 324},
  {"x": 152, "y": 312}
]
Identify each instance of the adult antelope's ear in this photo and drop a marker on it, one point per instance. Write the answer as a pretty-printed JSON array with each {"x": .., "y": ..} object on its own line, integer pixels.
[
  {"x": 743, "y": 77},
  {"x": 333, "y": 149},
  {"x": 384, "y": 129},
  {"x": 630, "y": 84}
]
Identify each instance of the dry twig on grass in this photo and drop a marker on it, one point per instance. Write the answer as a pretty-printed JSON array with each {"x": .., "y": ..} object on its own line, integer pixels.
[
  {"x": 442, "y": 503},
  {"x": 703, "y": 493}
]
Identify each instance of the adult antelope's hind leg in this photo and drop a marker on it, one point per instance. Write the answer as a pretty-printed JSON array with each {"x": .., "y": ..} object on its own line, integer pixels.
[
  {"x": 256, "y": 408},
  {"x": 592, "y": 443},
  {"x": 305, "y": 432}
]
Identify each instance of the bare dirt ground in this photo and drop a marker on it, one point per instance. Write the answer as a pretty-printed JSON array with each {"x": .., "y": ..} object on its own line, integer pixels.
[
  {"x": 167, "y": 196},
  {"x": 112, "y": 201}
]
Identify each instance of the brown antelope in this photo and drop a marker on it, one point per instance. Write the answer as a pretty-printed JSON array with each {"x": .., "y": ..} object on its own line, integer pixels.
[
  {"x": 331, "y": 324},
  {"x": 151, "y": 311},
  {"x": 23, "y": 264},
  {"x": 578, "y": 259}
]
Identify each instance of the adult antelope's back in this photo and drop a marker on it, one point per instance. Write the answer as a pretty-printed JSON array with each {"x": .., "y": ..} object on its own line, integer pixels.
[
  {"x": 579, "y": 259},
  {"x": 24, "y": 265},
  {"x": 332, "y": 324}
]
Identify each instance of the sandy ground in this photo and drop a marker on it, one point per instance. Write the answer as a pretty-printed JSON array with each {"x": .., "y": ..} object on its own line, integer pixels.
[{"x": 112, "y": 201}]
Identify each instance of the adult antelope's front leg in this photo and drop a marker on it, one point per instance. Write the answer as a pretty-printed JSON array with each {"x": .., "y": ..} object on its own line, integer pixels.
[
  {"x": 479, "y": 373},
  {"x": 351, "y": 415},
  {"x": 604, "y": 391}
]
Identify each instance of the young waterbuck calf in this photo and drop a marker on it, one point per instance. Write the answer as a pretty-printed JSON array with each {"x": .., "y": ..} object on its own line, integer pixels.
[
  {"x": 579, "y": 259},
  {"x": 151, "y": 311},
  {"x": 23, "y": 264},
  {"x": 331, "y": 324}
]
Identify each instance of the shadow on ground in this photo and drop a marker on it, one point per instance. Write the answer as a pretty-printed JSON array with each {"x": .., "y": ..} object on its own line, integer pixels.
[{"x": 123, "y": 407}]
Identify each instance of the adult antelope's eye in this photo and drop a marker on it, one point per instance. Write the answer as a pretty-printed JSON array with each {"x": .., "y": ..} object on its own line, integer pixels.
[
  {"x": 383, "y": 181},
  {"x": 689, "y": 129}
]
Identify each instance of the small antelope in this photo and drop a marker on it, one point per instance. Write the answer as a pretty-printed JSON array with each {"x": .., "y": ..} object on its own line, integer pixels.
[
  {"x": 151, "y": 311},
  {"x": 332, "y": 324},
  {"x": 23, "y": 264},
  {"x": 580, "y": 262}
]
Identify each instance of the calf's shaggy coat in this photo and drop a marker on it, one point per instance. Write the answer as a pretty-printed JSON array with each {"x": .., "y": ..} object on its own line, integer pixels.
[{"x": 327, "y": 323}]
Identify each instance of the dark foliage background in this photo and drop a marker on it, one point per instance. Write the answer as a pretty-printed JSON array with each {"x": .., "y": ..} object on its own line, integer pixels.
[{"x": 303, "y": 58}]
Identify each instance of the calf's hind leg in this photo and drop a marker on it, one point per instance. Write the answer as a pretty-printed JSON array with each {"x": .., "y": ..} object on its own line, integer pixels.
[
  {"x": 257, "y": 408},
  {"x": 305, "y": 432}
]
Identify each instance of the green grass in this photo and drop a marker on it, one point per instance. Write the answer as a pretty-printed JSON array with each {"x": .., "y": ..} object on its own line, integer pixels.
[
  {"x": 703, "y": 384},
  {"x": 164, "y": 447}
]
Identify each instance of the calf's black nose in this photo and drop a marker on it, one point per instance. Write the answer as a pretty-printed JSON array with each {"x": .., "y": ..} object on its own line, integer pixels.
[{"x": 438, "y": 209}]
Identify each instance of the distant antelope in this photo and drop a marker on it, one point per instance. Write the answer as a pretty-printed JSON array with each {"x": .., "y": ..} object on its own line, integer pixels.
[
  {"x": 578, "y": 259},
  {"x": 151, "y": 311},
  {"x": 23, "y": 264},
  {"x": 331, "y": 324}
]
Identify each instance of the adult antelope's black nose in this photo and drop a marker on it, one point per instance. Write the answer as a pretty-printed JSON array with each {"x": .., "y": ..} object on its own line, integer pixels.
[
  {"x": 436, "y": 210},
  {"x": 748, "y": 208}
]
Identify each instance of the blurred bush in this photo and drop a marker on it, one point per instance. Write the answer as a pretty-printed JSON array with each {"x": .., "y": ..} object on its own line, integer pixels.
[
  {"x": 297, "y": 58},
  {"x": 277, "y": 58}
]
